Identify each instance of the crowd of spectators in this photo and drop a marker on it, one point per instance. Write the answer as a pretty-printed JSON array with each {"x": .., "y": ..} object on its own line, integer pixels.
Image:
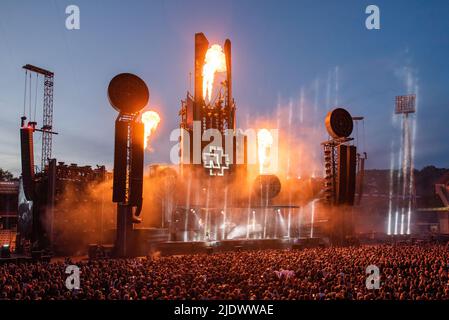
[{"x": 407, "y": 272}]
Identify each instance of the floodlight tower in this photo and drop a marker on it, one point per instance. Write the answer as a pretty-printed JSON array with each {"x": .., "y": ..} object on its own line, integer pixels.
[{"x": 405, "y": 106}]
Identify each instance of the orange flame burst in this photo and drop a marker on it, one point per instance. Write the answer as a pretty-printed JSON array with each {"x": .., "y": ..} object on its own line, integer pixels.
[
  {"x": 264, "y": 143},
  {"x": 150, "y": 119},
  {"x": 215, "y": 61}
]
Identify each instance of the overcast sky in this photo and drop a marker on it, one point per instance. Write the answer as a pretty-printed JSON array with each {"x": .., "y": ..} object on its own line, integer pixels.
[{"x": 282, "y": 51}]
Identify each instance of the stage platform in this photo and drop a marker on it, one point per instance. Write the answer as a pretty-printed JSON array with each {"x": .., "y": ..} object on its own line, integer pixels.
[
  {"x": 19, "y": 258},
  {"x": 209, "y": 247}
]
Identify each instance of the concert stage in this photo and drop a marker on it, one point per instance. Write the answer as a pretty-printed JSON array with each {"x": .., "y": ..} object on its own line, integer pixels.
[
  {"x": 198, "y": 247},
  {"x": 20, "y": 258}
]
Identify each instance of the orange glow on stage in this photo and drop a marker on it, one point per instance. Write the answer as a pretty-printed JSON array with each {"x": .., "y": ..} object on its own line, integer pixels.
[{"x": 264, "y": 143}]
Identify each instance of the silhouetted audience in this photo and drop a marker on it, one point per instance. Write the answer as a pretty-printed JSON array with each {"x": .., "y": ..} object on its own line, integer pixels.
[{"x": 407, "y": 272}]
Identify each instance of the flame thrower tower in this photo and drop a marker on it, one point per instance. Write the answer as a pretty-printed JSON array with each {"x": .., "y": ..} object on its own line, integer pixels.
[
  {"x": 212, "y": 153},
  {"x": 199, "y": 113}
]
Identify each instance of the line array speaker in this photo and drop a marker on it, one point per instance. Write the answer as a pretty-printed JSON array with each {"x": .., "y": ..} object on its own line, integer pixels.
[
  {"x": 137, "y": 154},
  {"x": 27, "y": 150},
  {"x": 120, "y": 161}
]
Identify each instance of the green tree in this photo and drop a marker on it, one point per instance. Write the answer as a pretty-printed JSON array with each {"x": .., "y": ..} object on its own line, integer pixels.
[{"x": 5, "y": 175}]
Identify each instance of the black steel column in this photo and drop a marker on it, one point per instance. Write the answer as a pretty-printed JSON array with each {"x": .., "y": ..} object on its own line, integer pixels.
[
  {"x": 128, "y": 94},
  {"x": 124, "y": 230}
]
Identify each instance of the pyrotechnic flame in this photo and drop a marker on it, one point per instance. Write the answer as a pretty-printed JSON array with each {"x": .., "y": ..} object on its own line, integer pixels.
[
  {"x": 150, "y": 119},
  {"x": 215, "y": 61},
  {"x": 264, "y": 143}
]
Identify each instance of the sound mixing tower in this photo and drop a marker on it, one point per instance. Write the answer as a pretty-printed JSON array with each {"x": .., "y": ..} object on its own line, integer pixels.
[
  {"x": 128, "y": 94},
  {"x": 340, "y": 161}
]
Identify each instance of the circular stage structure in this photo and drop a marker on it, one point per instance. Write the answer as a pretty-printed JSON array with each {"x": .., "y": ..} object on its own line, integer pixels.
[
  {"x": 339, "y": 123},
  {"x": 127, "y": 93}
]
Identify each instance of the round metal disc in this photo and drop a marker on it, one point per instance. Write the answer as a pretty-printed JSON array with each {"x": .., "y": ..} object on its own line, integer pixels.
[
  {"x": 128, "y": 93},
  {"x": 339, "y": 123},
  {"x": 267, "y": 186}
]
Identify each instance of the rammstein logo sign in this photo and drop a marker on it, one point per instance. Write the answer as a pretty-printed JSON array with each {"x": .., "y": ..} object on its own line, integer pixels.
[{"x": 216, "y": 161}]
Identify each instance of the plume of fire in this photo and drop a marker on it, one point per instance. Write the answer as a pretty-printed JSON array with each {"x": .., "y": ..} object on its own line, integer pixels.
[
  {"x": 264, "y": 143},
  {"x": 215, "y": 61},
  {"x": 150, "y": 119}
]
